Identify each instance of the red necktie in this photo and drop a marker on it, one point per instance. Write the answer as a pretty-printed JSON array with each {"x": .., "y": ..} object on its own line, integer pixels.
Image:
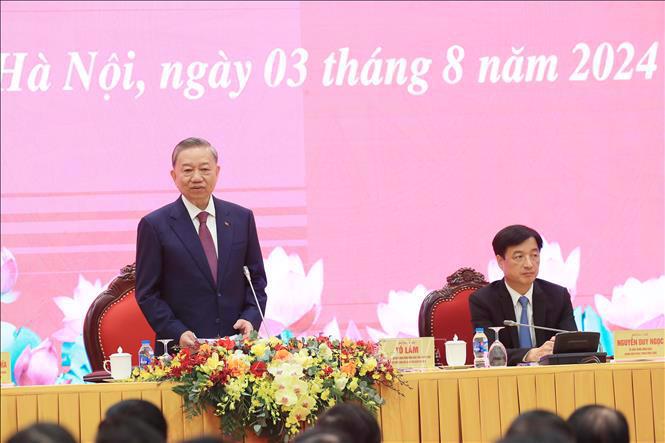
[{"x": 208, "y": 244}]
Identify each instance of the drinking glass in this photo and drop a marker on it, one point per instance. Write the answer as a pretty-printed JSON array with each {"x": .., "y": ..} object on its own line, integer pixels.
[
  {"x": 165, "y": 358},
  {"x": 497, "y": 352}
]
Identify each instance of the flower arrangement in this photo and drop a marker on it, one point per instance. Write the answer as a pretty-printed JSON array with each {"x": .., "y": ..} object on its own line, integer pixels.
[{"x": 274, "y": 387}]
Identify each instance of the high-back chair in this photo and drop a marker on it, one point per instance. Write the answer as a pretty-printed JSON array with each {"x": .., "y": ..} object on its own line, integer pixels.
[
  {"x": 114, "y": 320},
  {"x": 445, "y": 312}
]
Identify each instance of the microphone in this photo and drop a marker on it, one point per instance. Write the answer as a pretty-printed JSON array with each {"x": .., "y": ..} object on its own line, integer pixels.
[
  {"x": 248, "y": 276},
  {"x": 514, "y": 323}
]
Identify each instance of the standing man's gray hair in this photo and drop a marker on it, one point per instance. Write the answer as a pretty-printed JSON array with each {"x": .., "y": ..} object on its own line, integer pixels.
[{"x": 192, "y": 142}]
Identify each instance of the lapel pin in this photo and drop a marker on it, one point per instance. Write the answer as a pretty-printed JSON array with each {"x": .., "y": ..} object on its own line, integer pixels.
[{"x": 226, "y": 223}]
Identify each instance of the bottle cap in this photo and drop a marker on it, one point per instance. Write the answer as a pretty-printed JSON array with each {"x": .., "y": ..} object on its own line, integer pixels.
[
  {"x": 479, "y": 330},
  {"x": 145, "y": 342}
]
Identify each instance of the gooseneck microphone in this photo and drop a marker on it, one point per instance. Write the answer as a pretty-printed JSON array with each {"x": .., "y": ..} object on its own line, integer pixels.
[
  {"x": 514, "y": 323},
  {"x": 248, "y": 276}
]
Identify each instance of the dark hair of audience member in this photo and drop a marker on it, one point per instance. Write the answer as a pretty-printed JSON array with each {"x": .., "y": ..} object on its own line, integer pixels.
[
  {"x": 539, "y": 425},
  {"x": 514, "y": 235},
  {"x": 42, "y": 433},
  {"x": 353, "y": 419},
  {"x": 140, "y": 410},
  {"x": 121, "y": 428},
  {"x": 323, "y": 435},
  {"x": 599, "y": 424}
]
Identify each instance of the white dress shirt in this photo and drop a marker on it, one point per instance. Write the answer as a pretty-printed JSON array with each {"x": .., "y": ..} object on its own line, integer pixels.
[
  {"x": 518, "y": 308},
  {"x": 194, "y": 211}
]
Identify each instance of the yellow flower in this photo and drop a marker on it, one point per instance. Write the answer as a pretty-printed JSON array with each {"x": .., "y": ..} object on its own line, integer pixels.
[
  {"x": 369, "y": 365},
  {"x": 325, "y": 394},
  {"x": 306, "y": 402},
  {"x": 259, "y": 349},
  {"x": 325, "y": 352},
  {"x": 212, "y": 363},
  {"x": 353, "y": 385},
  {"x": 286, "y": 397},
  {"x": 340, "y": 382}
]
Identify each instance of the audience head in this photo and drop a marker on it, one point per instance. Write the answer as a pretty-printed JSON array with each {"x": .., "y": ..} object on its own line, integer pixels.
[
  {"x": 539, "y": 426},
  {"x": 121, "y": 428},
  {"x": 140, "y": 410},
  {"x": 352, "y": 419},
  {"x": 42, "y": 433},
  {"x": 323, "y": 435},
  {"x": 599, "y": 424}
]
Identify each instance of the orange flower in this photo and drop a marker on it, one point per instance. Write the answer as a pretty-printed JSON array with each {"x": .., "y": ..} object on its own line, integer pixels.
[
  {"x": 236, "y": 367},
  {"x": 349, "y": 369},
  {"x": 282, "y": 354}
]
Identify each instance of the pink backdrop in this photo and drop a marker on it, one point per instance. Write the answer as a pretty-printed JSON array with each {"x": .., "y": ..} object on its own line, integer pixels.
[{"x": 378, "y": 192}]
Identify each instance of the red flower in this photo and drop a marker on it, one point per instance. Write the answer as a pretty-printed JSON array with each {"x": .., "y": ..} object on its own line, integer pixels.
[
  {"x": 258, "y": 368},
  {"x": 226, "y": 343}
]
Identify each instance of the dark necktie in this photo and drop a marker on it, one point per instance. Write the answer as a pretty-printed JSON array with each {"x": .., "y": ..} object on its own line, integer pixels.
[
  {"x": 524, "y": 332},
  {"x": 208, "y": 244}
]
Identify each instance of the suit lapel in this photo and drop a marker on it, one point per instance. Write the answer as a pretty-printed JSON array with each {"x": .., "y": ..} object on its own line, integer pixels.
[
  {"x": 184, "y": 229},
  {"x": 539, "y": 308},
  {"x": 224, "y": 237},
  {"x": 508, "y": 312}
]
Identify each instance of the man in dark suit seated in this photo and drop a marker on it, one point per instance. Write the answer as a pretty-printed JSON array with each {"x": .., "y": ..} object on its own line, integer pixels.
[
  {"x": 190, "y": 256},
  {"x": 522, "y": 297}
]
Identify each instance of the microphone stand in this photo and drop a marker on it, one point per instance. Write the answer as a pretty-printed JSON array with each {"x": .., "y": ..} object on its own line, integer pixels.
[{"x": 248, "y": 276}]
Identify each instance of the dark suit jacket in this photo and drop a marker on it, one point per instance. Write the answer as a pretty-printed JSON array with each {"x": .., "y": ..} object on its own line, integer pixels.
[
  {"x": 552, "y": 308},
  {"x": 174, "y": 285}
]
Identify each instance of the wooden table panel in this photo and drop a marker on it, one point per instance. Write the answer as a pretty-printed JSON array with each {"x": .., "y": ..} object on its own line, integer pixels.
[
  {"x": 604, "y": 387},
  {"x": 68, "y": 413},
  {"x": 623, "y": 397},
  {"x": 585, "y": 391},
  {"x": 546, "y": 392},
  {"x": 658, "y": 401},
  {"x": 490, "y": 417},
  {"x": 526, "y": 391},
  {"x": 89, "y": 403},
  {"x": 467, "y": 405},
  {"x": 26, "y": 411},
  {"x": 644, "y": 429},
  {"x": 564, "y": 384},
  {"x": 470, "y": 409},
  {"x": 508, "y": 399},
  {"x": 449, "y": 411},
  {"x": 428, "y": 398}
]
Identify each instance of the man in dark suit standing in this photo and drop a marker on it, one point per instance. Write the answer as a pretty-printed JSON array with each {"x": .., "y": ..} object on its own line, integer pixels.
[
  {"x": 190, "y": 256},
  {"x": 522, "y": 297}
]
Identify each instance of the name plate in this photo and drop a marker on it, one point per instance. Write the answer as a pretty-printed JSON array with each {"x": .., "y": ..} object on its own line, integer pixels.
[
  {"x": 641, "y": 344},
  {"x": 5, "y": 368},
  {"x": 409, "y": 353}
]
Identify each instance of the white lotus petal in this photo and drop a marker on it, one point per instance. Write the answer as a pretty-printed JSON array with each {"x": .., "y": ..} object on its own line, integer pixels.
[
  {"x": 332, "y": 329},
  {"x": 291, "y": 292},
  {"x": 400, "y": 315},
  {"x": 634, "y": 303},
  {"x": 375, "y": 334}
]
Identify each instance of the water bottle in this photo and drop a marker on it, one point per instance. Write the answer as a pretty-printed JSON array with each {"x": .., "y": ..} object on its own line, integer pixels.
[
  {"x": 146, "y": 354},
  {"x": 480, "y": 345}
]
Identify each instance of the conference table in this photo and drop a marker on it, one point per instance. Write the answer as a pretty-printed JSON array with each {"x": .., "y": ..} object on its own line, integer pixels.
[{"x": 451, "y": 405}]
